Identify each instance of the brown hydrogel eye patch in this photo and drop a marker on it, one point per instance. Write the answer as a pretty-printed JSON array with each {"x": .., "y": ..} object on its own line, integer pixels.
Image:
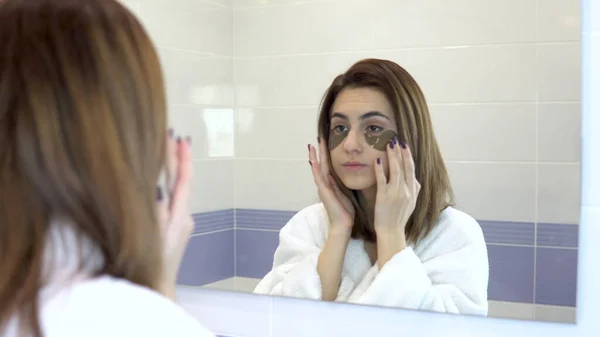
[
  {"x": 380, "y": 141},
  {"x": 377, "y": 142},
  {"x": 336, "y": 139}
]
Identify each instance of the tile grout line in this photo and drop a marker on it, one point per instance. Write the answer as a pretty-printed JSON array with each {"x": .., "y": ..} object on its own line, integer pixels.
[
  {"x": 489, "y": 243},
  {"x": 235, "y": 242},
  {"x": 411, "y": 48},
  {"x": 537, "y": 157}
]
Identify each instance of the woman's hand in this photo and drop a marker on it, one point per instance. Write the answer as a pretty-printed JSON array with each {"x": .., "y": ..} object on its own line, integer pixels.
[
  {"x": 176, "y": 222},
  {"x": 339, "y": 208},
  {"x": 396, "y": 200}
]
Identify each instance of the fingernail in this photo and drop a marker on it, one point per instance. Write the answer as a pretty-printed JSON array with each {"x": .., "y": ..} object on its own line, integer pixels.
[
  {"x": 395, "y": 140},
  {"x": 308, "y": 147},
  {"x": 171, "y": 132},
  {"x": 403, "y": 144},
  {"x": 189, "y": 139},
  {"x": 159, "y": 194},
  {"x": 378, "y": 161},
  {"x": 391, "y": 144},
  {"x": 310, "y": 163}
]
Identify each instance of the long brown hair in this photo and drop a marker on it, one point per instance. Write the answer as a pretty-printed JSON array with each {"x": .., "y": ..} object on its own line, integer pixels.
[
  {"x": 414, "y": 127},
  {"x": 82, "y": 130}
]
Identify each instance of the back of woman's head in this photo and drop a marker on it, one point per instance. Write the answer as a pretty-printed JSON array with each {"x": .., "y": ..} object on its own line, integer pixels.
[{"x": 82, "y": 130}]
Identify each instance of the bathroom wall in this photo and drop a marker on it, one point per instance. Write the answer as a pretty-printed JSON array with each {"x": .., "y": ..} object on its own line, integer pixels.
[
  {"x": 194, "y": 39},
  {"x": 504, "y": 90},
  {"x": 247, "y": 75}
]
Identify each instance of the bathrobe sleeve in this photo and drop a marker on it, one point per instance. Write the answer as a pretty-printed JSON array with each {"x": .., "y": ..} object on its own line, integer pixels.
[
  {"x": 294, "y": 271},
  {"x": 450, "y": 274}
]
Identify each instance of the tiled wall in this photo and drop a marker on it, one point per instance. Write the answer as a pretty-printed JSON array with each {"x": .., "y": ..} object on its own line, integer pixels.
[
  {"x": 266, "y": 316},
  {"x": 503, "y": 86},
  {"x": 194, "y": 39},
  {"x": 503, "y": 82}
]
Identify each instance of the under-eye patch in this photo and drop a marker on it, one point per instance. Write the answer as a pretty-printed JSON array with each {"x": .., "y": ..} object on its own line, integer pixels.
[
  {"x": 336, "y": 138},
  {"x": 380, "y": 140},
  {"x": 377, "y": 141}
]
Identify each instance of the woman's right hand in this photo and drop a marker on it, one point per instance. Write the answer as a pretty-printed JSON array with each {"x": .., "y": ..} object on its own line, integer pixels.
[
  {"x": 176, "y": 222},
  {"x": 339, "y": 208}
]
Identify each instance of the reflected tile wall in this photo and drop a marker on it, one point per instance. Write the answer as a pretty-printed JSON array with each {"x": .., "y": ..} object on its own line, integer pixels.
[
  {"x": 505, "y": 109},
  {"x": 194, "y": 40},
  {"x": 505, "y": 104},
  {"x": 504, "y": 101},
  {"x": 557, "y": 22}
]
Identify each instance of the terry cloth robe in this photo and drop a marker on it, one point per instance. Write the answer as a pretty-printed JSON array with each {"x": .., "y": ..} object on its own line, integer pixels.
[{"x": 447, "y": 271}]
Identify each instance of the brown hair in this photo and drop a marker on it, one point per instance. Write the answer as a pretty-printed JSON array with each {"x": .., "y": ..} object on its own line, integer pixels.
[
  {"x": 414, "y": 127},
  {"x": 82, "y": 130}
]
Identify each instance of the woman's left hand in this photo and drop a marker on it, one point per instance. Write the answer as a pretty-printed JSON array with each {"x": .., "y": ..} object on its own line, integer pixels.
[{"x": 396, "y": 199}]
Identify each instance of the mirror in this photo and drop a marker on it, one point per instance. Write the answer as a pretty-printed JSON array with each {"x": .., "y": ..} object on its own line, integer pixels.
[{"x": 502, "y": 82}]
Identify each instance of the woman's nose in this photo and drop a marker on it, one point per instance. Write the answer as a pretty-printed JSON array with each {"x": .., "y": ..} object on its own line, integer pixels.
[{"x": 352, "y": 142}]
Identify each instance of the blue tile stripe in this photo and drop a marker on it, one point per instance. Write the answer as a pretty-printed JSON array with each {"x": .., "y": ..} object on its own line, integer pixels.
[
  {"x": 213, "y": 221},
  {"x": 515, "y": 233},
  {"x": 511, "y": 267},
  {"x": 262, "y": 219},
  {"x": 495, "y": 232},
  {"x": 558, "y": 235}
]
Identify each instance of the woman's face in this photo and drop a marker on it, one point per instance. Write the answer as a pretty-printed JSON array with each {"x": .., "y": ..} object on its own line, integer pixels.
[{"x": 362, "y": 124}]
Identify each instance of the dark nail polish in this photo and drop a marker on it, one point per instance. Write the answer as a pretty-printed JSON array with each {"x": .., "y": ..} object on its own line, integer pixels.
[
  {"x": 403, "y": 144},
  {"x": 308, "y": 147},
  {"x": 395, "y": 140},
  {"x": 379, "y": 161},
  {"x": 391, "y": 144},
  {"x": 170, "y": 133},
  {"x": 310, "y": 163},
  {"x": 159, "y": 194}
]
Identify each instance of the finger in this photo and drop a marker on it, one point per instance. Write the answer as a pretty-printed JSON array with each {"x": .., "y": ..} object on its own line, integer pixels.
[
  {"x": 398, "y": 151},
  {"x": 380, "y": 176},
  {"x": 162, "y": 213},
  {"x": 170, "y": 163},
  {"x": 334, "y": 185},
  {"x": 182, "y": 187},
  {"x": 316, "y": 169},
  {"x": 338, "y": 192},
  {"x": 323, "y": 157},
  {"x": 394, "y": 163},
  {"x": 408, "y": 165}
]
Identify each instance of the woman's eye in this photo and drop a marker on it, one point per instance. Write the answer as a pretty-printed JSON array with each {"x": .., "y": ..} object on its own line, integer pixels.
[
  {"x": 374, "y": 129},
  {"x": 340, "y": 129}
]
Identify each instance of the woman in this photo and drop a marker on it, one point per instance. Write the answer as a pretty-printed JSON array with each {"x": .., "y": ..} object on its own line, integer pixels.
[
  {"x": 386, "y": 232},
  {"x": 89, "y": 246}
]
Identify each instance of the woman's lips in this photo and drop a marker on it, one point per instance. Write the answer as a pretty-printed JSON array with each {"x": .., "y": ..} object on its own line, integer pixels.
[{"x": 352, "y": 166}]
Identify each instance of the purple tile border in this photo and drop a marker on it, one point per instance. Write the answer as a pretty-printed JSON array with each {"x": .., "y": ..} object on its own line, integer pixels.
[
  {"x": 556, "y": 277},
  {"x": 511, "y": 273},
  {"x": 207, "y": 222},
  {"x": 495, "y": 232},
  {"x": 211, "y": 255},
  {"x": 557, "y": 235},
  {"x": 254, "y": 252},
  {"x": 262, "y": 219},
  {"x": 208, "y": 258},
  {"x": 515, "y": 233}
]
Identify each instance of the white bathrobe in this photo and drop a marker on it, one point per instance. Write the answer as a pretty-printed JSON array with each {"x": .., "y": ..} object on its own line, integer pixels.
[
  {"x": 447, "y": 271},
  {"x": 74, "y": 304}
]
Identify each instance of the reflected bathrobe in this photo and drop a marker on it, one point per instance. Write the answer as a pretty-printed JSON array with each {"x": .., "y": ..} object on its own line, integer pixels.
[{"x": 447, "y": 271}]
